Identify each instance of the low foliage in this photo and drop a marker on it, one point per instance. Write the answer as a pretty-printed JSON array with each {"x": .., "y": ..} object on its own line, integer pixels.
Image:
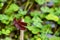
[{"x": 42, "y": 18}]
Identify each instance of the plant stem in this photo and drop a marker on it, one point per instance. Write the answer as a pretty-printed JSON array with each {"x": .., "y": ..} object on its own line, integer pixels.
[
  {"x": 6, "y": 5},
  {"x": 30, "y": 6},
  {"x": 21, "y": 34},
  {"x": 27, "y": 4}
]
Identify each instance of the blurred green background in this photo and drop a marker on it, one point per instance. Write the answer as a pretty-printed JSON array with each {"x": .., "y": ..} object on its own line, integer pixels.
[{"x": 42, "y": 18}]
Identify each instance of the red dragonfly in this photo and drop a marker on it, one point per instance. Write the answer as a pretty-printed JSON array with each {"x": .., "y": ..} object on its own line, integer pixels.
[{"x": 19, "y": 24}]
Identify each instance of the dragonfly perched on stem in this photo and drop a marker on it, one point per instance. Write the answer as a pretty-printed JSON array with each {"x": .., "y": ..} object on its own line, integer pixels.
[{"x": 20, "y": 24}]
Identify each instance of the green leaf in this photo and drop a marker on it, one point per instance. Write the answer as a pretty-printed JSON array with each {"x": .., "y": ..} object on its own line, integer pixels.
[
  {"x": 1, "y": 5},
  {"x": 51, "y": 11},
  {"x": 5, "y": 21},
  {"x": 54, "y": 38},
  {"x": 11, "y": 17},
  {"x": 21, "y": 12},
  {"x": 12, "y": 8},
  {"x": 27, "y": 19},
  {"x": 42, "y": 16},
  {"x": 30, "y": 27},
  {"x": 8, "y": 32},
  {"x": 40, "y": 2},
  {"x": 0, "y": 32},
  {"x": 56, "y": 1},
  {"x": 37, "y": 37},
  {"x": 35, "y": 13},
  {"x": 45, "y": 9},
  {"x": 3, "y": 17},
  {"x": 46, "y": 29},
  {"x": 52, "y": 17},
  {"x": 3, "y": 0},
  {"x": 36, "y": 19},
  {"x": 7, "y": 38},
  {"x": 57, "y": 11},
  {"x": 36, "y": 24},
  {"x": 3, "y": 31},
  {"x": 33, "y": 29},
  {"x": 58, "y": 21},
  {"x": 43, "y": 36}
]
